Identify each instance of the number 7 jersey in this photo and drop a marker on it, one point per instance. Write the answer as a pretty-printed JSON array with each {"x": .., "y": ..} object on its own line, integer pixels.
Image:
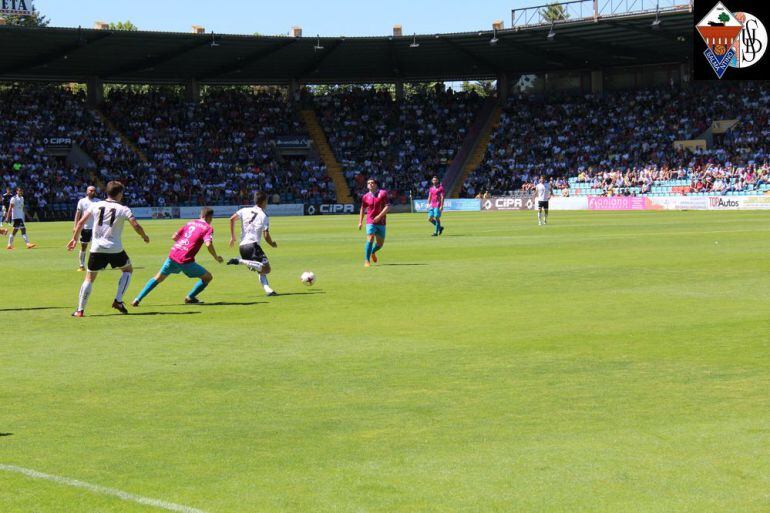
[{"x": 108, "y": 217}]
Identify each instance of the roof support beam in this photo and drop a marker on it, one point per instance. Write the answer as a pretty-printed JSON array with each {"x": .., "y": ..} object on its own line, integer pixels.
[
  {"x": 241, "y": 62},
  {"x": 477, "y": 59},
  {"x": 151, "y": 62},
  {"x": 81, "y": 41},
  {"x": 318, "y": 60}
]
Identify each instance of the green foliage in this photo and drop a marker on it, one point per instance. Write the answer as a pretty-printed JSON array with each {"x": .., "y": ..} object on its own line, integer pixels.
[
  {"x": 554, "y": 12},
  {"x": 123, "y": 25},
  {"x": 724, "y": 17},
  {"x": 35, "y": 19}
]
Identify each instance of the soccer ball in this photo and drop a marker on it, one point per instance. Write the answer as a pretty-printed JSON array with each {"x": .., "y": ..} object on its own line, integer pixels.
[{"x": 308, "y": 278}]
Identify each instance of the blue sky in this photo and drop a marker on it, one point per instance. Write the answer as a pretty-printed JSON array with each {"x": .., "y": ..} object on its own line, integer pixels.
[{"x": 325, "y": 17}]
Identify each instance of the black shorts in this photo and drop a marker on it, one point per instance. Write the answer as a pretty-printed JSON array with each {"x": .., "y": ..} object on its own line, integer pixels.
[
  {"x": 542, "y": 204},
  {"x": 18, "y": 223},
  {"x": 85, "y": 236},
  {"x": 254, "y": 252},
  {"x": 99, "y": 261}
]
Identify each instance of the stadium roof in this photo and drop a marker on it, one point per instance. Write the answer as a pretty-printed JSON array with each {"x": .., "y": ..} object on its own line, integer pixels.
[{"x": 75, "y": 54}]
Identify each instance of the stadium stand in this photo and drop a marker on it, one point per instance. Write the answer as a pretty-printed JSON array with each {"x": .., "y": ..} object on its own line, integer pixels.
[
  {"x": 623, "y": 142},
  {"x": 404, "y": 143}
]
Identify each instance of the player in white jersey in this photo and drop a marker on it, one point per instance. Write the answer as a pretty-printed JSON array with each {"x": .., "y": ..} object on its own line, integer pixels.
[
  {"x": 543, "y": 195},
  {"x": 107, "y": 246},
  {"x": 85, "y": 235},
  {"x": 16, "y": 213},
  {"x": 255, "y": 224}
]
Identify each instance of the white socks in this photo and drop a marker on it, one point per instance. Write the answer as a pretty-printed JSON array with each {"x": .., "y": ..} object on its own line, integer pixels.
[
  {"x": 125, "y": 279},
  {"x": 24, "y": 236},
  {"x": 82, "y": 256},
  {"x": 85, "y": 292},
  {"x": 265, "y": 283},
  {"x": 10, "y": 240}
]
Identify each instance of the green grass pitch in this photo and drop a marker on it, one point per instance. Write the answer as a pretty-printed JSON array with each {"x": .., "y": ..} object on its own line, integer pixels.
[{"x": 609, "y": 362}]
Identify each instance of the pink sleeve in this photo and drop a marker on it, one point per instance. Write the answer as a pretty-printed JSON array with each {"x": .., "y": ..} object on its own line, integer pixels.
[
  {"x": 209, "y": 235},
  {"x": 179, "y": 232}
]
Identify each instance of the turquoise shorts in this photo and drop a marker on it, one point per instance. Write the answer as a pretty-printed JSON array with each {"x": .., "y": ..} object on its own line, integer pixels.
[
  {"x": 191, "y": 270},
  {"x": 378, "y": 230},
  {"x": 435, "y": 213}
]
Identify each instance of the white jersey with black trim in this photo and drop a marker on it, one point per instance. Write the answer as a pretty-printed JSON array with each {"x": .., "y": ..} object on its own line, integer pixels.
[
  {"x": 543, "y": 191},
  {"x": 17, "y": 204},
  {"x": 254, "y": 221},
  {"x": 109, "y": 217},
  {"x": 83, "y": 206}
]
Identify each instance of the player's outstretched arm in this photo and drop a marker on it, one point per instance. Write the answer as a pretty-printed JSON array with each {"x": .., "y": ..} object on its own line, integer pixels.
[
  {"x": 361, "y": 217},
  {"x": 232, "y": 229},
  {"x": 138, "y": 229},
  {"x": 210, "y": 247},
  {"x": 268, "y": 239},
  {"x": 76, "y": 231}
]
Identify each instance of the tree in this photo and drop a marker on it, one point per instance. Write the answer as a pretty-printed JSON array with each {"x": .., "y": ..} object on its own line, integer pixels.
[
  {"x": 724, "y": 17},
  {"x": 35, "y": 19},
  {"x": 554, "y": 12},
  {"x": 124, "y": 25}
]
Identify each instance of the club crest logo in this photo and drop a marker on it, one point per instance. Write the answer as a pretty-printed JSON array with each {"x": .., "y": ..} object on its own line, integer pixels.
[{"x": 733, "y": 40}]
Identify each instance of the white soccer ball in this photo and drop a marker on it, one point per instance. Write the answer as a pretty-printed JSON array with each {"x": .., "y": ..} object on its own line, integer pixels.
[{"x": 308, "y": 278}]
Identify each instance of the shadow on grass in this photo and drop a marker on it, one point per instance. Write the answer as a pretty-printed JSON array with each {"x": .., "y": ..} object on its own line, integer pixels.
[
  {"x": 308, "y": 293},
  {"x": 6, "y": 434},
  {"x": 388, "y": 265},
  {"x": 138, "y": 314},
  {"x": 31, "y": 309},
  {"x": 232, "y": 303}
]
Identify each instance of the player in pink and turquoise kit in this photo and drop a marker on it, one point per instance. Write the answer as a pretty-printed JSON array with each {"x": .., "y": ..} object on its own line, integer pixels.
[
  {"x": 375, "y": 205},
  {"x": 436, "y": 206},
  {"x": 187, "y": 242}
]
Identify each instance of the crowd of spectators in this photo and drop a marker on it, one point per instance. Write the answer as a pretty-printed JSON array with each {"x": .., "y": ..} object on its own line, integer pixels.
[
  {"x": 31, "y": 117},
  {"x": 623, "y": 142},
  {"x": 220, "y": 149},
  {"x": 402, "y": 143},
  {"x": 216, "y": 151}
]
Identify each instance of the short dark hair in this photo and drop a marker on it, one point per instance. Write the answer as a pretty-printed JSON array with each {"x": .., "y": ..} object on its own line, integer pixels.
[
  {"x": 114, "y": 188},
  {"x": 373, "y": 179},
  {"x": 207, "y": 212},
  {"x": 259, "y": 197}
]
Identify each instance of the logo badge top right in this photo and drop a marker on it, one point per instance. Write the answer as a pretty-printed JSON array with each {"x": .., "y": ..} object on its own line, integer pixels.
[{"x": 736, "y": 40}]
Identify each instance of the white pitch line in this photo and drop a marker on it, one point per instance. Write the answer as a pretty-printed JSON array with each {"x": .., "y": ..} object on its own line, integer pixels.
[{"x": 102, "y": 490}]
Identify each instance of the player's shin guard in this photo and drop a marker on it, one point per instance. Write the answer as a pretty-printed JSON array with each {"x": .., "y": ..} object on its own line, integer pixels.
[
  {"x": 82, "y": 257},
  {"x": 376, "y": 248},
  {"x": 369, "y": 249},
  {"x": 125, "y": 279},
  {"x": 85, "y": 293},
  {"x": 438, "y": 226},
  {"x": 151, "y": 284},
  {"x": 197, "y": 289},
  {"x": 10, "y": 239},
  {"x": 24, "y": 235}
]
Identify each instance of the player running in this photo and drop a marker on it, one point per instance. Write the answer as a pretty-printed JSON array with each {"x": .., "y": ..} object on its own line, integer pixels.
[
  {"x": 255, "y": 224},
  {"x": 187, "y": 242},
  {"x": 436, "y": 206},
  {"x": 16, "y": 212},
  {"x": 87, "y": 233},
  {"x": 375, "y": 205},
  {"x": 543, "y": 195},
  {"x": 107, "y": 246}
]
